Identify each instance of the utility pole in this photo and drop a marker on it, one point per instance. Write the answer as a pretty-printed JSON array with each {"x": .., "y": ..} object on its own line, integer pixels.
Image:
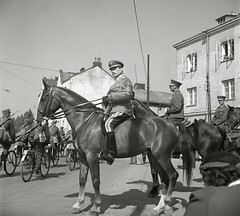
[
  {"x": 148, "y": 80},
  {"x": 209, "y": 112}
]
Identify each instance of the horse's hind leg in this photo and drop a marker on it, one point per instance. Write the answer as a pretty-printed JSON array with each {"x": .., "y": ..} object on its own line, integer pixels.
[
  {"x": 93, "y": 162},
  {"x": 154, "y": 191},
  {"x": 169, "y": 177},
  {"x": 83, "y": 172}
]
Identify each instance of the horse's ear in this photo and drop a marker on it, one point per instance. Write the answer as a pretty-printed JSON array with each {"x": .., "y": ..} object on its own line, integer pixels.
[
  {"x": 195, "y": 120},
  {"x": 46, "y": 86}
]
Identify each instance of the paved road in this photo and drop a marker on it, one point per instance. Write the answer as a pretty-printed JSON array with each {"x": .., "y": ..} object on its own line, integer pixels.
[{"x": 124, "y": 190}]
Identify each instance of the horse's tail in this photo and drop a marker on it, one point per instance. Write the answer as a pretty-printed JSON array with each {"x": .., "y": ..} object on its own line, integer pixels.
[{"x": 186, "y": 149}]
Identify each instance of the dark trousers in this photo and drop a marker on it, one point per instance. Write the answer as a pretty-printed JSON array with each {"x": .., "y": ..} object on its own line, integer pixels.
[
  {"x": 114, "y": 119},
  {"x": 39, "y": 149}
]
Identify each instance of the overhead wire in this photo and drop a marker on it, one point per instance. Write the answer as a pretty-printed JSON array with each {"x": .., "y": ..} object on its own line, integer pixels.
[
  {"x": 8, "y": 91},
  {"x": 18, "y": 77},
  {"x": 139, "y": 37},
  {"x": 28, "y": 66}
]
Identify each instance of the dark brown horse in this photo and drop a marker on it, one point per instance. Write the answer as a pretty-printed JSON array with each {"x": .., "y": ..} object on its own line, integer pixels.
[
  {"x": 144, "y": 133},
  {"x": 233, "y": 117}
]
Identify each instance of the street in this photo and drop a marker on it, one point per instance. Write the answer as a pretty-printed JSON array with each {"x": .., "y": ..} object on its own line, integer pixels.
[{"x": 124, "y": 190}]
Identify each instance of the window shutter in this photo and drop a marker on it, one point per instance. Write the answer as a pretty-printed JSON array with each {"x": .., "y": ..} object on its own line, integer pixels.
[
  {"x": 231, "y": 47},
  {"x": 183, "y": 66},
  {"x": 218, "y": 53}
]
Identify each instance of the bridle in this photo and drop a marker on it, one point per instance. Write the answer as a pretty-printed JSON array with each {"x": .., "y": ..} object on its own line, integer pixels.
[{"x": 64, "y": 113}]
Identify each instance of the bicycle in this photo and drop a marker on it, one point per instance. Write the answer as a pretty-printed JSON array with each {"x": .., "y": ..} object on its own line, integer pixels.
[
  {"x": 9, "y": 164},
  {"x": 73, "y": 158},
  {"x": 18, "y": 149},
  {"x": 53, "y": 152},
  {"x": 28, "y": 163}
]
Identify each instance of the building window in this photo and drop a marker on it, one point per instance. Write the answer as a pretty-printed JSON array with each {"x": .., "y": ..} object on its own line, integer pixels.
[
  {"x": 226, "y": 50},
  {"x": 192, "y": 96},
  {"x": 190, "y": 63},
  {"x": 229, "y": 89}
]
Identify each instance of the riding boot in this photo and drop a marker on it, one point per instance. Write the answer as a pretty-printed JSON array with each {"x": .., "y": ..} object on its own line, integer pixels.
[{"x": 110, "y": 149}]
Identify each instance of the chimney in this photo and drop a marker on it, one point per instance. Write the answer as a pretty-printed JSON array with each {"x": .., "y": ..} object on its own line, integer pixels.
[
  {"x": 97, "y": 62},
  {"x": 82, "y": 69},
  {"x": 61, "y": 76}
]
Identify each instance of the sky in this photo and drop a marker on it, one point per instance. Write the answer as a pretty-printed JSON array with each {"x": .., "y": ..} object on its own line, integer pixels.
[{"x": 40, "y": 37}]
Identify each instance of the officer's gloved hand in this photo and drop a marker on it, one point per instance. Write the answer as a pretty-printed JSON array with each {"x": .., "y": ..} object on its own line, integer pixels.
[{"x": 105, "y": 99}]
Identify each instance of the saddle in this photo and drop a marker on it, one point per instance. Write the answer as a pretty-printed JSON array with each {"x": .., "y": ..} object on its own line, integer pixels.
[
  {"x": 116, "y": 128},
  {"x": 231, "y": 142}
]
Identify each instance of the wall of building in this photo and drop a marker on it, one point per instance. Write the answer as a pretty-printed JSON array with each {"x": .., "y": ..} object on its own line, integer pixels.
[{"x": 218, "y": 72}]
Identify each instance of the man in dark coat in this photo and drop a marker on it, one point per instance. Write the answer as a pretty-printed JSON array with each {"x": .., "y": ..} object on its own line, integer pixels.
[
  {"x": 118, "y": 108},
  {"x": 175, "y": 112},
  {"x": 7, "y": 133},
  {"x": 220, "y": 115}
]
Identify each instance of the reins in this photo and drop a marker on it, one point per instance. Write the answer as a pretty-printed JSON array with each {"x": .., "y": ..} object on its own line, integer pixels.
[{"x": 77, "y": 108}]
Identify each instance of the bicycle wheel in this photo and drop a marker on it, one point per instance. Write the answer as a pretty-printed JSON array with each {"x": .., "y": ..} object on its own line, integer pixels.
[
  {"x": 72, "y": 158},
  {"x": 45, "y": 164},
  {"x": 27, "y": 166},
  {"x": 55, "y": 157},
  {"x": 18, "y": 152},
  {"x": 10, "y": 163}
]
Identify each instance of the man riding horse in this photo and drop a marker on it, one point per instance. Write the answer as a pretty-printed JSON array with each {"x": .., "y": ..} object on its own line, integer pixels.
[
  {"x": 175, "y": 113},
  {"x": 118, "y": 108},
  {"x": 220, "y": 115}
]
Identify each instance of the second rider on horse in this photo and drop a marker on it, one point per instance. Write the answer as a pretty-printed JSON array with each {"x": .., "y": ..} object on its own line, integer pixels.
[{"x": 118, "y": 108}]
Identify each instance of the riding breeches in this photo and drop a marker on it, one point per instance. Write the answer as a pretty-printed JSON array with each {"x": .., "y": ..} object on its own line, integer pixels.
[{"x": 114, "y": 120}]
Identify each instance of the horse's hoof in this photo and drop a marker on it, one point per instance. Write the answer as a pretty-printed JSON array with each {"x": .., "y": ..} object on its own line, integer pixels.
[
  {"x": 158, "y": 209},
  {"x": 75, "y": 210}
]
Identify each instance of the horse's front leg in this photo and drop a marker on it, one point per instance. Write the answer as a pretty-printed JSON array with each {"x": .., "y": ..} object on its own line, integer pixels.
[
  {"x": 93, "y": 162},
  {"x": 155, "y": 187},
  {"x": 83, "y": 173}
]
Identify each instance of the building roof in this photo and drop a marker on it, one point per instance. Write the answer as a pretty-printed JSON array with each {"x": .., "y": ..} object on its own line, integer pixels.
[
  {"x": 203, "y": 34},
  {"x": 51, "y": 81},
  {"x": 155, "y": 97}
]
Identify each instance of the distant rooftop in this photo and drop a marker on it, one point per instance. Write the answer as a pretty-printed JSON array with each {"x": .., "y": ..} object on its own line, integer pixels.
[{"x": 226, "y": 18}]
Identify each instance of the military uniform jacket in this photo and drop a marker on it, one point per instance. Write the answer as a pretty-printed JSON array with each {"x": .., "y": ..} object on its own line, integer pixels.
[
  {"x": 214, "y": 201},
  {"x": 120, "y": 94},
  {"x": 176, "y": 107},
  {"x": 55, "y": 134},
  {"x": 220, "y": 115},
  {"x": 10, "y": 134}
]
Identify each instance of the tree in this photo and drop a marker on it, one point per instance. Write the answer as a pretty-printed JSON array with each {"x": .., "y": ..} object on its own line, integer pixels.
[{"x": 19, "y": 121}]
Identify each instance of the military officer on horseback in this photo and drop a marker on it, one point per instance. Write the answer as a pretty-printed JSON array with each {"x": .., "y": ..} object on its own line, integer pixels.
[
  {"x": 118, "y": 108},
  {"x": 175, "y": 112},
  {"x": 220, "y": 115}
]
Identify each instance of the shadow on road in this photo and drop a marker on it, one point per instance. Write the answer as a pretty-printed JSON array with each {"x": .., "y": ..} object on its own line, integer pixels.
[
  {"x": 181, "y": 188},
  {"x": 137, "y": 199}
]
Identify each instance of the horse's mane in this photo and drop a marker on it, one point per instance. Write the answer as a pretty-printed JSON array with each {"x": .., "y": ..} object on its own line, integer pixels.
[
  {"x": 140, "y": 106},
  {"x": 76, "y": 95}
]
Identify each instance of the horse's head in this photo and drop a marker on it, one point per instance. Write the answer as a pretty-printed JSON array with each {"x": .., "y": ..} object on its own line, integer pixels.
[
  {"x": 48, "y": 104},
  {"x": 233, "y": 116}
]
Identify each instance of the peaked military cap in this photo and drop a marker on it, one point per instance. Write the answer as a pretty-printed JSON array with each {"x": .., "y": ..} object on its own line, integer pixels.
[
  {"x": 176, "y": 83},
  {"x": 6, "y": 111},
  {"x": 221, "y": 97},
  {"x": 115, "y": 63}
]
